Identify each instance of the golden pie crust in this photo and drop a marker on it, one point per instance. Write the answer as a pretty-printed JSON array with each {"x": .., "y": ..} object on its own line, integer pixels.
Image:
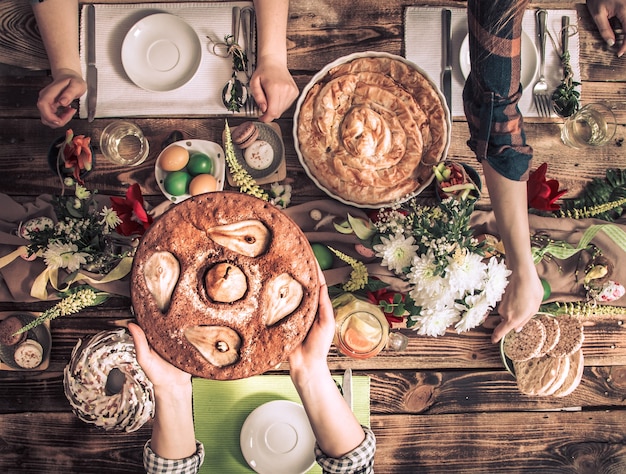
[
  {"x": 184, "y": 231},
  {"x": 371, "y": 129}
]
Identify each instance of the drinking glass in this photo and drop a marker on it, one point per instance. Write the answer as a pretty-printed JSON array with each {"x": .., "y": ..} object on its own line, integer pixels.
[
  {"x": 362, "y": 330},
  {"x": 593, "y": 125},
  {"x": 123, "y": 143}
]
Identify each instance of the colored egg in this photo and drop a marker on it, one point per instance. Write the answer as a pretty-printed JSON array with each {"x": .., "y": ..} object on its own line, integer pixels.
[
  {"x": 203, "y": 183},
  {"x": 173, "y": 158},
  {"x": 177, "y": 182},
  {"x": 200, "y": 163},
  {"x": 323, "y": 255}
]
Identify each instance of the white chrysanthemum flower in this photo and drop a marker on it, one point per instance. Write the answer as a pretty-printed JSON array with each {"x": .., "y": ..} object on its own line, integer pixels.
[
  {"x": 110, "y": 218},
  {"x": 426, "y": 283},
  {"x": 474, "y": 312},
  {"x": 397, "y": 251},
  {"x": 434, "y": 323},
  {"x": 82, "y": 192},
  {"x": 64, "y": 255},
  {"x": 466, "y": 272},
  {"x": 496, "y": 280}
]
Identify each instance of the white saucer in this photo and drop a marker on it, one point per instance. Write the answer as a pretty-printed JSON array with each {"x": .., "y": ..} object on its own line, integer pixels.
[
  {"x": 530, "y": 62},
  {"x": 161, "y": 52},
  {"x": 211, "y": 149},
  {"x": 276, "y": 438}
]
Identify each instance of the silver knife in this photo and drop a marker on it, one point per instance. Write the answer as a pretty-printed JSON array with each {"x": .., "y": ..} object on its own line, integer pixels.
[
  {"x": 92, "y": 72},
  {"x": 346, "y": 387},
  {"x": 446, "y": 76}
]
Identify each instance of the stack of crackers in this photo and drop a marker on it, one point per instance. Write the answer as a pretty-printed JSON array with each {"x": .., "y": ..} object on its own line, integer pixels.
[{"x": 547, "y": 355}]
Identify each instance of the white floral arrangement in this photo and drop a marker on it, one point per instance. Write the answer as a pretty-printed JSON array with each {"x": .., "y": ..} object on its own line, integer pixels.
[{"x": 451, "y": 282}]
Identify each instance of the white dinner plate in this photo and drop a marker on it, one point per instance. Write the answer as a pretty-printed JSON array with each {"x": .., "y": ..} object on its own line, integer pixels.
[
  {"x": 530, "y": 62},
  {"x": 276, "y": 438},
  {"x": 161, "y": 52},
  {"x": 211, "y": 149}
]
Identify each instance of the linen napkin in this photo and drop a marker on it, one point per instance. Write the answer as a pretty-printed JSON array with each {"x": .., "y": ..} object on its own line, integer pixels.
[
  {"x": 221, "y": 407},
  {"x": 423, "y": 46},
  {"x": 118, "y": 96}
]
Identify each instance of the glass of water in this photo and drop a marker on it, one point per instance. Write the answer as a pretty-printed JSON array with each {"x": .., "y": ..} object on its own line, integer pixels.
[
  {"x": 593, "y": 125},
  {"x": 123, "y": 143}
]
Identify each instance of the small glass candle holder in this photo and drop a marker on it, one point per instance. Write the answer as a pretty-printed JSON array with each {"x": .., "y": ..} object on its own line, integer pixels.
[
  {"x": 123, "y": 143},
  {"x": 593, "y": 125}
]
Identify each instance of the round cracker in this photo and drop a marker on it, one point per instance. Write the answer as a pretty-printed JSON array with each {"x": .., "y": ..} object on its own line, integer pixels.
[
  {"x": 527, "y": 343},
  {"x": 571, "y": 337},
  {"x": 553, "y": 332},
  {"x": 536, "y": 375},
  {"x": 562, "y": 373},
  {"x": 574, "y": 376}
]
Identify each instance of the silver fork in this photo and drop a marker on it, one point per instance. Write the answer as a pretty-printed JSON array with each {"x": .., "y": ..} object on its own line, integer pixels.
[
  {"x": 541, "y": 95},
  {"x": 248, "y": 26}
]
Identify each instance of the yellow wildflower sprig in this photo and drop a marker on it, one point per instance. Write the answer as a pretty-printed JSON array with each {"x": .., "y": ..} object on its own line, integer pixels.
[
  {"x": 579, "y": 309},
  {"x": 593, "y": 211},
  {"x": 241, "y": 178},
  {"x": 75, "y": 301},
  {"x": 359, "y": 275}
]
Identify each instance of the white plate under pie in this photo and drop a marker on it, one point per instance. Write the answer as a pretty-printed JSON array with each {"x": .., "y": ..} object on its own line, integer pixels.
[
  {"x": 161, "y": 52},
  {"x": 212, "y": 149},
  {"x": 530, "y": 63},
  {"x": 276, "y": 438}
]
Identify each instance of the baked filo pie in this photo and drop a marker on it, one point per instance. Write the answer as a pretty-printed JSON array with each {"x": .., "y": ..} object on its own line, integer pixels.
[
  {"x": 369, "y": 128},
  {"x": 224, "y": 285}
]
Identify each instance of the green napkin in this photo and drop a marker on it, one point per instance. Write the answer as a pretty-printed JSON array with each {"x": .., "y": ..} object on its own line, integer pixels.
[{"x": 221, "y": 407}]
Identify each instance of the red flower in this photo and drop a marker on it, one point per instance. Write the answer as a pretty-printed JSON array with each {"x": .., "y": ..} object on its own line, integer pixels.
[
  {"x": 76, "y": 153},
  {"x": 375, "y": 297},
  {"x": 542, "y": 193},
  {"x": 135, "y": 219}
]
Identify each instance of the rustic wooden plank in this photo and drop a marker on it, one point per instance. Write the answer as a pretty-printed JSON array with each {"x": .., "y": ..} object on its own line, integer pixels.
[
  {"x": 483, "y": 442},
  {"x": 515, "y": 442},
  {"x": 61, "y": 443},
  {"x": 428, "y": 392}
]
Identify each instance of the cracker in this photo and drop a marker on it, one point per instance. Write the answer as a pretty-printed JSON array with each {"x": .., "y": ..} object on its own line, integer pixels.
[
  {"x": 571, "y": 338},
  {"x": 553, "y": 332},
  {"x": 526, "y": 344},
  {"x": 562, "y": 373},
  {"x": 577, "y": 366},
  {"x": 536, "y": 375}
]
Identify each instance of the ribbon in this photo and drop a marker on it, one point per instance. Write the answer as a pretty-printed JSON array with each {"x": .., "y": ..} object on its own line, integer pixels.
[
  {"x": 39, "y": 288},
  {"x": 564, "y": 250}
]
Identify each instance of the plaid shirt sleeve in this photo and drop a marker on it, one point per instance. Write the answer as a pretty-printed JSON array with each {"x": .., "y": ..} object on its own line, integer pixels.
[
  {"x": 358, "y": 461},
  {"x": 492, "y": 90},
  {"x": 154, "y": 464}
]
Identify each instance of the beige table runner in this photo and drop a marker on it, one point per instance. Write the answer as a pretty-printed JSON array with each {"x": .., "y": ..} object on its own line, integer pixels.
[
  {"x": 118, "y": 96},
  {"x": 423, "y": 46}
]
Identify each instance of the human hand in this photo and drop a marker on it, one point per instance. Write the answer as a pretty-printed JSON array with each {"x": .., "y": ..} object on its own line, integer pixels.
[
  {"x": 602, "y": 11},
  {"x": 311, "y": 354},
  {"x": 163, "y": 375},
  {"x": 273, "y": 88},
  {"x": 55, "y": 99},
  {"x": 521, "y": 301}
]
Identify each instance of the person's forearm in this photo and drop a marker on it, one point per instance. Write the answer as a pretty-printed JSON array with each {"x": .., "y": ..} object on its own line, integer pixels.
[
  {"x": 509, "y": 203},
  {"x": 173, "y": 435},
  {"x": 335, "y": 427},
  {"x": 271, "y": 20},
  {"x": 57, "y": 21}
]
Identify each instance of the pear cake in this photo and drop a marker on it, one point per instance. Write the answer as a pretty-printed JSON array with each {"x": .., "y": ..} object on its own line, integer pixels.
[
  {"x": 371, "y": 128},
  {"x": 224, "y": 285}
]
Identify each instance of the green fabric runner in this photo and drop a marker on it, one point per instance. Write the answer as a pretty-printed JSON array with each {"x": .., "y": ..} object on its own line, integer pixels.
[{"x": 221, "y": 407}]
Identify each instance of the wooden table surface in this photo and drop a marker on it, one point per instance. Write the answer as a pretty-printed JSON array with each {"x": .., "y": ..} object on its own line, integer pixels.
[{"x": 443, "y": 405}]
